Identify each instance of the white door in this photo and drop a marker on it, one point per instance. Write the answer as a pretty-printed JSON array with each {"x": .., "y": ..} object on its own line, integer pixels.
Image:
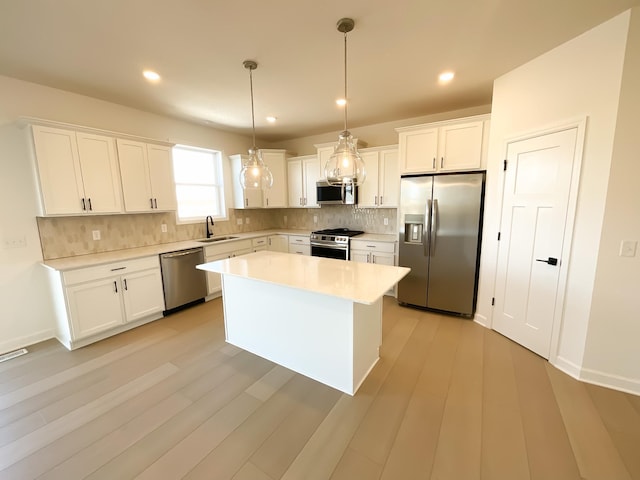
[
  {"x": 163, "y": 188},
  {"x": 534, "y": 214},
  {"x": 142, "y": 294},
  {"x": 94, "y": 306},
  {"x": 134, "y": 169}
]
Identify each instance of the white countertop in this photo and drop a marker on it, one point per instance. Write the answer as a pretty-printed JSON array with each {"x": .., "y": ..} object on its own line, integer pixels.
[
  {"x": 356, "y": 281},
  {"x": 89, "y": 260}
]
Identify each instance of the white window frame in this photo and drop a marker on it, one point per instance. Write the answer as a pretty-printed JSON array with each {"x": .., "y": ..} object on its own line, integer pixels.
[{"x": 218, "y": 184}]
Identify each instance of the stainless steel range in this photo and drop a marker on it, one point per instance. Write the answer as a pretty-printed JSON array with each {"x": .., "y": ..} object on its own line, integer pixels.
[{"x": 332, "y": 243}]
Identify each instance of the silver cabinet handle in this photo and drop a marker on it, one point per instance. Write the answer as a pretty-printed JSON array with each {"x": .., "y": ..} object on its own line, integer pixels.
[{"x": 425, "y": 233}]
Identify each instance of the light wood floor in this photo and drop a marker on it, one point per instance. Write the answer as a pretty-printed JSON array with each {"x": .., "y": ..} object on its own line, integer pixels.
[{"x": 448, "y": 400}]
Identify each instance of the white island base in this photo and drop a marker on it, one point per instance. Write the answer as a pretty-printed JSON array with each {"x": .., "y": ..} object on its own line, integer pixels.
[{"x": 316, "y": 316}]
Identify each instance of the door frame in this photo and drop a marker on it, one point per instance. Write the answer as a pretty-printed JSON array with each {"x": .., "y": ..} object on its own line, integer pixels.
[{"x": 580, "y": 123}]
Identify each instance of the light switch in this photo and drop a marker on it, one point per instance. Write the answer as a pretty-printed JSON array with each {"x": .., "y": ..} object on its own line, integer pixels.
[{"x": 628, "y": 248}]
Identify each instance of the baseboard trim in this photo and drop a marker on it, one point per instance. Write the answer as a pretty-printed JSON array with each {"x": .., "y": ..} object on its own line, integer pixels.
[
  {"x": 481, "y": 320},
  {"x": 595, "y": 377},
  {"x": 26, "y": 340}
]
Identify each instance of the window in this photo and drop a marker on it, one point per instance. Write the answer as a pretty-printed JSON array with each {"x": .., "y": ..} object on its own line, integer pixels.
[{"x": 199, "y": 183}]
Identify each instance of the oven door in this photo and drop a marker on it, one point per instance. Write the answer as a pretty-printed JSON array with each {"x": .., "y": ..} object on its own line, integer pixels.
[{"x": 341, "y": 252}]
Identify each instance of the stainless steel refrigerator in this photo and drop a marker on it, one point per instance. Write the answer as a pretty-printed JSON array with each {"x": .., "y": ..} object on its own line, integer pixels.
[{"x": 439, "y": 239}]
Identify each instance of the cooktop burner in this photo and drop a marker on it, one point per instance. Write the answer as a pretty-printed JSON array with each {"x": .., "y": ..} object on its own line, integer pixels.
[{"x": 345, "y": 232}]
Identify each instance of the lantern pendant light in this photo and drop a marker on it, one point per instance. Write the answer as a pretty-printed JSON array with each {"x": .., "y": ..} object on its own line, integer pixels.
[
  {"x": 254, "y": 174},
  {"x": 345, "y": 166}
]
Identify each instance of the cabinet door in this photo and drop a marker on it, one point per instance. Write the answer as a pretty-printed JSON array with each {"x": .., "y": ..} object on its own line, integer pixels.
[
  {"x": 460, "y": 146},
  {"x": 294, "y": 174},
  {"x": 383, "y": 258},
  {"x": 418, "y": 150},
  {"x": 142, "y": 294},
  {"x": 59, "y": 170},
  {"x": 163, "y": 189},
  {"x": 311, "y": 174},
  {"x": 276, "y": 196},
  {"x": 389, "y": 179},
  {"x": 359, "y": 256},
  {"x": 100, "y": 174},
  {"x": 278, "y": 243},
  {"x": 94, "y": 306},
  {"x": 214, "y": 280},
  {"x": 134, "y": 170},
  {"x": 368, "y": 192}
]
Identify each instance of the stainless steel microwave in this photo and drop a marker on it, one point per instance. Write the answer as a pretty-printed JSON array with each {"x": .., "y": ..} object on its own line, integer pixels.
[{"x": 345, "y": 194}]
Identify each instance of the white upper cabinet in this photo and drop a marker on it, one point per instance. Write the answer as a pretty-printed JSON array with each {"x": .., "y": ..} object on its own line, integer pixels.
[
  {"x": 77, "y": 172},
  {"x": 444, "y": 146},
  {"x": 303, "y": 173},
  {"x": 147, "y": 176},
  {"x": 274, "y": 197},
  {"x": 381, "y": 187}
]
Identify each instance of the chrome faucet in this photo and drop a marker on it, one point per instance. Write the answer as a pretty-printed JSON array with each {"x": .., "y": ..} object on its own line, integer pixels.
[{"x": 206, "y": 222}]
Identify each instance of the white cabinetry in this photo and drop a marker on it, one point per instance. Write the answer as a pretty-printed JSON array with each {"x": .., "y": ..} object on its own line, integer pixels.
[
  {"x": 381, "y": 187},
  {"x": 278, "y": 243},
  {"x": 303, "y": 172},
  {"x": 220, "y": 252},
  {"x": 147, "y": 176},
  {"x": 259, "y": 244},
  {"x": 444, "y": 146},
  {"x": 299, "y": 244},
  {"x": 96, "y": 302},
  {"x": 77, "y": 172},
  {"x": 274, "y": 197},
  {"x": 374, "y": 252}
]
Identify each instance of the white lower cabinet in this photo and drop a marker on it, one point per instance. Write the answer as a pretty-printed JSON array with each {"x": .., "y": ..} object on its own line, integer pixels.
[
  {"x": 278, "y": 243},
  {"x": 259, "y": 244},
  {"x": 299, "y": 244},
  {"x": 96, "y": 302},
  {"x": 382, "y": 253},
  {"x": 221, "y": 252}
]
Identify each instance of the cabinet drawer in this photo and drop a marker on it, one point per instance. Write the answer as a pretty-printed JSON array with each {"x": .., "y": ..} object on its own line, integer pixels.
[
  {"x": 300, "y": 249},
  {"x": 211, "y": 250},
  {"x": 259, "y": 242},
  {"x": 298, "y": 240},
  {"x": 386, "y": 247},
  {"x": 80, "y": 275}
]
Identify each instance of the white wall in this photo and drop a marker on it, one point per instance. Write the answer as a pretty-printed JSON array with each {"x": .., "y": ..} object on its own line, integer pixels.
[
  {"x": 26, "y": 308},
  {"x": 577, "y": 79},
  {"x": 613, "y": 339}
]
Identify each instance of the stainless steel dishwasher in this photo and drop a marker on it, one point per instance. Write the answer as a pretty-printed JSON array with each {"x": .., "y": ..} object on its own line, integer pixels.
[{"x": 183, "y": 284}]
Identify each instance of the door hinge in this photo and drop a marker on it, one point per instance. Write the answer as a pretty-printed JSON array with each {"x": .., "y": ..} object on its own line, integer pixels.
[
  {"x": 505, "y": 165},
  {"x": 493, "y": 301}
]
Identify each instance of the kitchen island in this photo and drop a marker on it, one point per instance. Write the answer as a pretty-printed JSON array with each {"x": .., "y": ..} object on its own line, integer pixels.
[{"x": 320, "y": 317}]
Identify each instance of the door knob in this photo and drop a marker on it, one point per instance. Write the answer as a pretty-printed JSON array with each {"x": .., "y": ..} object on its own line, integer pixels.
[{"x": 550, "y": 260}]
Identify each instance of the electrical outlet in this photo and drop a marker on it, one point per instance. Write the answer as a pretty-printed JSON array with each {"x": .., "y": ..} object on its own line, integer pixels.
[
  {"x": 386, "y": 221},
  {"x": 315, "y": 219},
  {"x": 163, "y": 228},
  {"x": 628, "y": 248},
  {"x": 247, "y": 220},
  {"x": 96, "y": 234},
  {"x": 239, "y": 221}
]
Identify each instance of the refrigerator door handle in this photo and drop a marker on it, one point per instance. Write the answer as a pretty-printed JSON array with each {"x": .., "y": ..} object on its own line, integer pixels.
[
  {"x": 433, "y": 226},
  {"x": 425, "y": 235}
]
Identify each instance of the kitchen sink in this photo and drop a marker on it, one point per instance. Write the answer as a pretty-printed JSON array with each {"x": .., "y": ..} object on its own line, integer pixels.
[{"x": 216, "y": 239}]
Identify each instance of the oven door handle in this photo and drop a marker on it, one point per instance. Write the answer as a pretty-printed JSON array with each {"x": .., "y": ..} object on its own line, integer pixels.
[{"x": 332, "y": 247}]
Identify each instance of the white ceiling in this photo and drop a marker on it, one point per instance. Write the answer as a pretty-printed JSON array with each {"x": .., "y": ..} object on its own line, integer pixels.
[{"x": 397, "y": 49}]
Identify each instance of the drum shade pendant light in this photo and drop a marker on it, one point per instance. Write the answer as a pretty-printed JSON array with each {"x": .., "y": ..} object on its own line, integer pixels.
[
  {"x": 345, "y": 166},
  {"x": 254, "y": 174}
]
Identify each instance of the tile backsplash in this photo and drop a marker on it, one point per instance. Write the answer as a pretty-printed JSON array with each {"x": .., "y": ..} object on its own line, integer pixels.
[{"x": 69, "y": 236}]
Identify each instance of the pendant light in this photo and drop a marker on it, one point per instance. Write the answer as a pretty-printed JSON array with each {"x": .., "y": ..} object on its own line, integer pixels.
[
  {"x": 345, "y": 166},
  {"x": 254, "y": 174}
]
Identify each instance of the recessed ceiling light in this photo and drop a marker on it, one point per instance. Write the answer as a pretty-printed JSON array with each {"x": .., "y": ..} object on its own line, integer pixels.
[
  {"x": 271, "y": 119},
  {"x": 341, "y": 101},
  {"x": 151, "y": 75},
  {"x": 446, "y": 77}
]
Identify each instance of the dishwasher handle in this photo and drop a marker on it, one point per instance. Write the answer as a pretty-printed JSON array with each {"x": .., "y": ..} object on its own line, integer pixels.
[{"x": 181, "y": 253}]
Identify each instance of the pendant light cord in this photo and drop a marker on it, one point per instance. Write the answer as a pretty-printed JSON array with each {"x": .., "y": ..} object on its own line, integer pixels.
[
  {"x": 345, "y": 81},
  {"x": 253, "y": 121}
]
